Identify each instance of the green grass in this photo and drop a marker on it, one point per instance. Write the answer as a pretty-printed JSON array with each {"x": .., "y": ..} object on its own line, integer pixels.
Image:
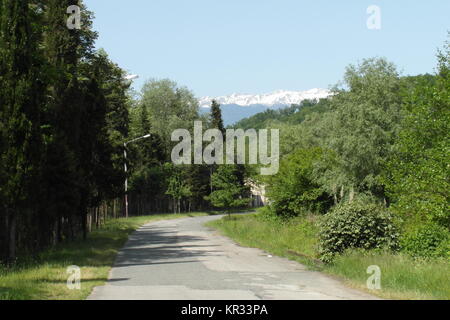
[
  {"x": 45, "y": 278},
  {"x": 294, "y": 239},
  {"x": 402, "y": 277}
]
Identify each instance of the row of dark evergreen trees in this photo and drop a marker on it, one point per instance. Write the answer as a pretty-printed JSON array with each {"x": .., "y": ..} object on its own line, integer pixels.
[
  {"x": 156, "y": 184},
  {"x": 65, "y": 113},
  {"x": 63, "y": 121}
]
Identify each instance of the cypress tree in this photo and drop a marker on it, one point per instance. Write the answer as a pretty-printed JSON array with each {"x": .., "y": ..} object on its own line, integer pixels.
[
  {"x": 65, "y": 50},
  {"x": 21, "y": 96},
  {"x": 216, "y": 117},
  {"x": 217, "y": 122}
]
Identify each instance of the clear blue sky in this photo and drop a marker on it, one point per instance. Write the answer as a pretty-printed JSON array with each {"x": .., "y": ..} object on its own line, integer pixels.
[{"x": 257, "y": 46}]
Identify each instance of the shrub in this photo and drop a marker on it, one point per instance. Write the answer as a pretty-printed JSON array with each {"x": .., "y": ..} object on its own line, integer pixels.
[
  {"x": 356, "y": 225},
  {"x": 429, "y": 240},
  {"x": 293, "y": 191},
  {"x": 267, "y": 214}
]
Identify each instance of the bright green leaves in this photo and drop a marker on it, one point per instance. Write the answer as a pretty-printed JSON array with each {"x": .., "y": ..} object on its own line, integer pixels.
[
  {"x": 293, "y": 191},
  {"x": 418, "y": 175},
  {"x": 228, "y": 191}
]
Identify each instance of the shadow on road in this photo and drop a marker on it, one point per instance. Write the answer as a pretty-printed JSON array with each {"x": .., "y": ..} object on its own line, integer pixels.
[{"x": 153, "y": 246}]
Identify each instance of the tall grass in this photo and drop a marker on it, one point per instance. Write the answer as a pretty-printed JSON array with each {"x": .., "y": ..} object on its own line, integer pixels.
[
  {"x": 294, "y": 238},
  {"x": 402, "y": 277}
]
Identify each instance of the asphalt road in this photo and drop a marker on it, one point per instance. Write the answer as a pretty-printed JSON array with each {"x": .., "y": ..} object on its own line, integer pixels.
[{"x": 183, "y": 260}]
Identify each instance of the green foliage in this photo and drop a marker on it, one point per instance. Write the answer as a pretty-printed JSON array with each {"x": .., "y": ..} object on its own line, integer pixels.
[
  {"x": 356, "y": 126},
  {"x": 292, "y": 115},
  {"x": 417, "y": 175},
  {"x": 429, "y": 240},
  {"x": 362, "y": 127},
  {"x": 268, "y": 215},
  {"x": 293, "y": 191},
  {"x": 116, "y": 93},
  {"x": 307, "y": 108},
  {"x": 63, "y": 119},
  {"x": 22, "y": 93},
  {"x": 378, "y": 118},
  {"x": 216, "y": 117},
  {"x": 149, "y": 180},
  {"x": 162, "y": 108},
  {"x": 356, "y": 225},
  {"x": 228, "y": 192},
  {"x": 177, "y": 187},
  {"x": 170, "y": 107}
]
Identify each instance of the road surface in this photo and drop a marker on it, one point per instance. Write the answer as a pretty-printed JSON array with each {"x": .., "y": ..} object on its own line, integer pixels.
[{"x": 183, "y": 260}]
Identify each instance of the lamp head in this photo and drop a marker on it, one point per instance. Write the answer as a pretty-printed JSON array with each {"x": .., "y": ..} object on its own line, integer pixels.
[{"x": 131, "y": 77}]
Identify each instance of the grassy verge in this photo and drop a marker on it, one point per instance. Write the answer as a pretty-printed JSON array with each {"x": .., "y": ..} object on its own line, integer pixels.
[
  {"x": 45, "y": 279},
  {"x": 402, "y": 276},
  {"x": 294, "y": 239}
]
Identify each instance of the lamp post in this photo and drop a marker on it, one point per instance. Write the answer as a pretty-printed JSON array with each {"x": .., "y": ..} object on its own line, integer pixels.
[{"x": 126, "y": 168}]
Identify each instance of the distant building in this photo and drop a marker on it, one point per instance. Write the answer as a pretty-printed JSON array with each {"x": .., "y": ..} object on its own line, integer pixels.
[{"x": 258, "y": 194}]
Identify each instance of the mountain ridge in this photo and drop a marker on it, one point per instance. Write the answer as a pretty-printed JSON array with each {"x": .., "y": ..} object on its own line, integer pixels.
[
  {"x": 236, "y": 107},
  {"x": 274, "y": 99}
]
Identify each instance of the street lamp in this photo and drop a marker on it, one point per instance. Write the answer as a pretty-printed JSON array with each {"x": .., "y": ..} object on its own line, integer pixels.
[
  {"x": 126, "y": 169},
  {"x": 131, "y": 77}
]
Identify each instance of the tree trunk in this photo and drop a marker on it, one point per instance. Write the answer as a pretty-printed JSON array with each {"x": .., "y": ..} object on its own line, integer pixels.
[
  {"x": 84, "y": 223},
  {"x": 104, "y": 213},
  {"x": 89, "y": 221},
  {"x": 72, "y": 232},
  {"x": 58, "y": 230},
  {"x": 352, "y": 195},
  {"x": 12, "y": 237},
  {"x": 96, "y": 217},
  {"x": 3, "y": 238},
  {"x": 210, "y": 179}
]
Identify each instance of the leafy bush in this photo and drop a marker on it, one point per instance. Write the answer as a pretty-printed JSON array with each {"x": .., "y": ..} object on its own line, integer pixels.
[
  {"x": 356, "y": 225},
  {"x": 267, "y": 214},
  {"x": 293, "y": 191},
  {"x": 429, "y": 240}
]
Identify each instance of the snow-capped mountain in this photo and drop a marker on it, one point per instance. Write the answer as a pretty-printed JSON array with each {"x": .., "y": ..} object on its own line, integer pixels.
[
  {"x": 274, "y": 99},
  {"x": 239, "y": 106}
]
